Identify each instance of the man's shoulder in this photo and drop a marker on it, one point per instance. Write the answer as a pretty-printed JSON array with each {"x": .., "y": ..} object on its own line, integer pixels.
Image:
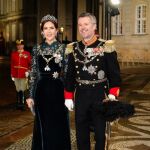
[
  {"x": 72, "y": 43},
  {"x": 109, "y": 46},
  {"x": 69, "y": 48}
]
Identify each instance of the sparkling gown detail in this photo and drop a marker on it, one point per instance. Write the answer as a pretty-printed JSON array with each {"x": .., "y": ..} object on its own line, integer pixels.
[{"x": 51, "y": 124}]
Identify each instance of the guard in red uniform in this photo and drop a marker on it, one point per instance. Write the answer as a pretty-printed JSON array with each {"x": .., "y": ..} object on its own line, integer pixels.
[{"x": 20, "y": 67}]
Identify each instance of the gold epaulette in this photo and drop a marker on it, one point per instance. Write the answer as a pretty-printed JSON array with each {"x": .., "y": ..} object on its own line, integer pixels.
[
  {"x": 69, "y": 48},
  {"x": 109, "y": 46}
]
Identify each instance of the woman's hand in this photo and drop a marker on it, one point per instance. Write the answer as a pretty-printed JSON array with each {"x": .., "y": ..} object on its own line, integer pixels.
[{"x": 30, "y": 102}]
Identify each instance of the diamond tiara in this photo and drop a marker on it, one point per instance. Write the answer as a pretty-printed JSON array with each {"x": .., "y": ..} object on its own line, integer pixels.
[{"x": 49, "y": 18}]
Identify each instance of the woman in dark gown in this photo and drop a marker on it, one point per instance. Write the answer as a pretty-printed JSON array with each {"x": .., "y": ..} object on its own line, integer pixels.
[{"x": 51, "y": 124}]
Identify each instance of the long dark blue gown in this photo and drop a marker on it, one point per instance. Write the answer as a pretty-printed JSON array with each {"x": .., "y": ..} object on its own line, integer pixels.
[{"x": 51, "y": 125}]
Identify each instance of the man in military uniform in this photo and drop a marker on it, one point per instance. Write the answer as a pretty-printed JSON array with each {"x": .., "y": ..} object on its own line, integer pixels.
[
  {"x": 20, "y": 67},
  {"x": 93, "y": 72}
]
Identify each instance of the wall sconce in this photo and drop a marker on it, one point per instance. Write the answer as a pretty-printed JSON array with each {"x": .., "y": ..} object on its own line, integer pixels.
[
  {"x": 115, "y": 2},
  {"x": 61, "y": 31}
]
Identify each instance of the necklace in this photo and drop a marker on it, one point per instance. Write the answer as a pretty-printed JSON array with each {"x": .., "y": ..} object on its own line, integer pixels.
[{"x": 47, "y": 68}]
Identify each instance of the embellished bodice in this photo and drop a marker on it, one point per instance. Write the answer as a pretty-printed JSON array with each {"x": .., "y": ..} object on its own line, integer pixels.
[
  {"x": 47, "y": 61},
  {"x": 50, "y": 59}
]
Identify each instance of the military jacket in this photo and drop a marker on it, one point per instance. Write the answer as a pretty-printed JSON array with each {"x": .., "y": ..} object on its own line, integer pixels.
[
  {"x": 20, "y": 63},
  {"x": 92, "y": 66}
]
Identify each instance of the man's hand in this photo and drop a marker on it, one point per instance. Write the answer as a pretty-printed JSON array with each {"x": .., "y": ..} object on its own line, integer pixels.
[
  {"x": 12, "y": 78},
  {"x": 69, "y": 104},
  {"x": 111, "y": 97}
]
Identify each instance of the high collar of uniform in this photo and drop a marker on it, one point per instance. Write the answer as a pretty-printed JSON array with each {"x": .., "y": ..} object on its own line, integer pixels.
[
  {"x": 20, "y": 51},
  {"x": 91, "y": 41}
]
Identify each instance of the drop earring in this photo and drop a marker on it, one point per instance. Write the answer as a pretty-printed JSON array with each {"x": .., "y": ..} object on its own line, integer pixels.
[{"x": 42, "y": 33}]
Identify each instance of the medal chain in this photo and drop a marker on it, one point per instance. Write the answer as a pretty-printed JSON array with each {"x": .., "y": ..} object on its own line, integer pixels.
[{"x": 86, "y": 60}]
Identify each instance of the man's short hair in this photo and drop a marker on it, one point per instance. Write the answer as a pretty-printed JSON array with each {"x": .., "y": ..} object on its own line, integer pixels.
[{"x": 91, "y": 16}]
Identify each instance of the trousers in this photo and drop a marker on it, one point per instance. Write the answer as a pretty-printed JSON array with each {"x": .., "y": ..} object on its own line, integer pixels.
[{"x": 84, "y": 117}]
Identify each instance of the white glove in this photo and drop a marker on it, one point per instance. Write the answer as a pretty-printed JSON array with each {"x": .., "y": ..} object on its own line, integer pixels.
[
  {"x": 12, "y": 78},
  {"x": 111, "y": 97},
  {"x": 69, "y": 104},
  {"x": 26, "y": 74}
]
